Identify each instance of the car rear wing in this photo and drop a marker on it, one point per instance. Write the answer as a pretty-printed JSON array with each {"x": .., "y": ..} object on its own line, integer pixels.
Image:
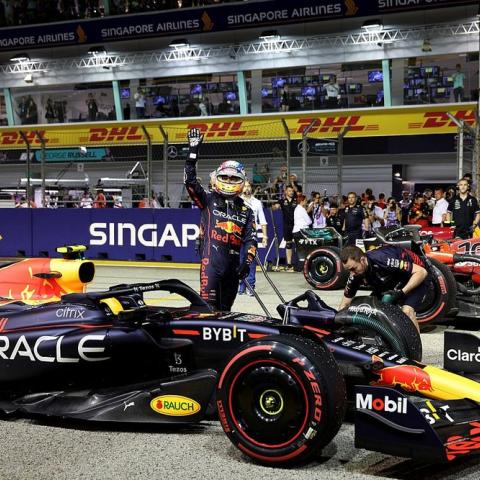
[{"x": 395, "y": 423}]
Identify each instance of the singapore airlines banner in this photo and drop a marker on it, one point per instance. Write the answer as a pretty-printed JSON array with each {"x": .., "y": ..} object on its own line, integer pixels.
[
  {"x": 422, "y": 120},
  {"x": 205, "y": 19}
]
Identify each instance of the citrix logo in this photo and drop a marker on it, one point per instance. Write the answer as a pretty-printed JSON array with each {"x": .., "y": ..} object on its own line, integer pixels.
[{"x": 385, "y": 404}]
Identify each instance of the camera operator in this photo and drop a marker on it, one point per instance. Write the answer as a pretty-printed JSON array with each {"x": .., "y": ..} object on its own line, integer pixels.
[{"x": 392, "y": 214}]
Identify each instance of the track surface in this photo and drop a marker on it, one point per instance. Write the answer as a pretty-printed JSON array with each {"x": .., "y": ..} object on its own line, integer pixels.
[{"x": 44, "y": 449}]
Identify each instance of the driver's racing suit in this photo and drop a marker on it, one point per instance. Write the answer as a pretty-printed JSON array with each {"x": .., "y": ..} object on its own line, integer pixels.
[
  {"x": 390, "y": 268},
  {"x": 227, "y": 224}
]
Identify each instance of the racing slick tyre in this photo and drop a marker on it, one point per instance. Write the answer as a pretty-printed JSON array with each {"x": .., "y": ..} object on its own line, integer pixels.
[
  {"x": 323, "y": 269},
  {"x": 382, "y": 325},
  {"x": 441, "y": 296},
  {"x": 281, "y": 399}
]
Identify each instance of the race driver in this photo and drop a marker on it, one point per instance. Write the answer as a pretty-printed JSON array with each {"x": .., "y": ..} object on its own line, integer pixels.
[
  {"x": 227, "y": 224},
  {"x": 389, "y": 271}
]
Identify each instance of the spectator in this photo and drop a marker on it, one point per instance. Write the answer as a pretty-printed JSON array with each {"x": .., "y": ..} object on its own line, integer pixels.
[
  {"x": 405, "y": 204},
  {"x": 355, "y": 218},
  {"x": 140, "y": 103},
  {"x": 463, "y": 211},
  {"x": 50, "y": 111},
  {"x": 205, "y": 107},
  {"x": 336, "y": 218},
  {"x": 333, "y": 93},
  {"x": 440, "y": 209},
  {"x": 100, "y": 200},
  {"x": 225, "y": 108},
  {"x": 22, "y": 110},
  {"x": 392, "y": 214},
  {"x": 429, "y": 200},
  {"x": 92, "y": 108},
  {"x": 191, "y": 110},
  {"x": 419, "y": 212},
  {"x": 175, "y": 112},
  {"x": 317, "y": 211},
  {"x": 381, "y": 201},
  {"x": 284, "y": 99},
  {"x": 126, "y": 111},
  {"x": 458, "y": 83},
  {"x": 301, "y": 219},
  {"x": 294, "y": 183},
  {"x": 280, "y": 181},
  {"x": 288, "y": 205},
  {"x": 86, "y": 201},
  {"x": 32, "y": 112},
  {"x": 376, "y": 213}
]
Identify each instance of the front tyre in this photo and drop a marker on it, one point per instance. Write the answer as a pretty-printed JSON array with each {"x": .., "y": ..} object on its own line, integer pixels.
[{"x": 281, "y": 399}]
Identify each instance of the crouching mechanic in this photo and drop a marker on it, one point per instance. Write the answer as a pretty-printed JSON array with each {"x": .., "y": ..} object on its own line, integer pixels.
[
  {"x": 227, "y": 224},
  {"x": 387, "y": 270}
]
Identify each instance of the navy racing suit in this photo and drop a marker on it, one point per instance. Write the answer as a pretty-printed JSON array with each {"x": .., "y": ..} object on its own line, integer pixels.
[
  {"x": 390, "y": 268},
  {"x": 226, "y": 223}
]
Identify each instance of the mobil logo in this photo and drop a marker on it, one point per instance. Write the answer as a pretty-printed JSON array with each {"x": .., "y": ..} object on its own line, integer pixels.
[{"x": 381, "y": 403}]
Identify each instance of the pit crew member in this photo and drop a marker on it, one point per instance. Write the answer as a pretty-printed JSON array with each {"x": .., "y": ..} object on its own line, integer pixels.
[
  {"x": 356, "y": 217},
  {"x": 463, "y": 210},
  {"x": 227, "y": 224},
  {"x": 387, "y": 270},
  {"x": 260, "y": 221}
]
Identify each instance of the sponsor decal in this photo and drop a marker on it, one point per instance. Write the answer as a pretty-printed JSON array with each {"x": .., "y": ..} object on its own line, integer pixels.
[
  {"x": 148, "y": 234},
  {"x": 332, "y": 124},
  {"x": 409, "y": 377},
  {"x": 222, "y": 416},
  {"x": 434, "y": 415},
  {"x": 235, "y": 218},
  {"x": 113, "y": 134},
  {"x": 221, "y": 129},
  {"x": 175, "y": 405},
  {"x": 363, "y": 309},
  {"x": 458, "y": 445},
  {"x": 229, "y": 227},
  {"x": 35, "y": 349},
  {"x": 177, "y": 368},
  {"x": 441, "y": 119},
  {"x": 381, "y": 404},
  {"x": 463, "y": 356},
  {"x": 317, "y": 412},
  {"x": 14, "y": 138},
  {"x": 69, "y": 312},
  {"x": 223, "y": 334}
]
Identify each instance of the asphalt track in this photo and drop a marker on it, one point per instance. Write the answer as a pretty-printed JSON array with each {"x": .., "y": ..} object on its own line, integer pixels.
[{"x": 45, "y": 449}]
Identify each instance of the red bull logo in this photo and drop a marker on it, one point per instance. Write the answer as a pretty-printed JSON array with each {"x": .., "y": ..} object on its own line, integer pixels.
[
  {"x": 229, "y": 227},
  {"x": 409, "y": 377}
]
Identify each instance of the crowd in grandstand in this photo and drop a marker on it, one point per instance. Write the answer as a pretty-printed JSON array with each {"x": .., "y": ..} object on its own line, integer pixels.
[{"x": 23, "y": 12}]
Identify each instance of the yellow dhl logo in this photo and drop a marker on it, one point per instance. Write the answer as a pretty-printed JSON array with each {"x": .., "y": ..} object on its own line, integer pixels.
[{"x": 175, "y": 405}]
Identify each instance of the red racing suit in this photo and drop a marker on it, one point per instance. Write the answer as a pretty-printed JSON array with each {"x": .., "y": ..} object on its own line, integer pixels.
[{"x": 226, "y": 224}]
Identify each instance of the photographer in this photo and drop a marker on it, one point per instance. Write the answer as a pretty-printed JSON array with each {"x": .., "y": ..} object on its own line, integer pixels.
[
  {"x": 375, "y": 212},
  {"x": 316, "y": 209},
  {"x": 392, "y": 214}
]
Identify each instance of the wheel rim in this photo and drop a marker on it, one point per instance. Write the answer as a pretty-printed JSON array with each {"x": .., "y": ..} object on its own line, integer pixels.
[
  {"x": 268, "y": 403},
  {"x": 322, "y": 269}
]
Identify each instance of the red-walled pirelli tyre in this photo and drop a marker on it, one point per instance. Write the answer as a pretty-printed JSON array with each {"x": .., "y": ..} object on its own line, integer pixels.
[
  {"x": 281, "y": 399},
  {"x": 441, "y": 297},
  {"x": 323, "y": 269}
]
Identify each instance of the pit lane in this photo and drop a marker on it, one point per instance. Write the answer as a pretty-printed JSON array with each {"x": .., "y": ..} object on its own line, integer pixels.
[{"x": 46, "y": 449}]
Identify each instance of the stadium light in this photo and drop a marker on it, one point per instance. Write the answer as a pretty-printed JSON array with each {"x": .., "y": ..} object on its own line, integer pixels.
[{"x": 20, "y": 57}]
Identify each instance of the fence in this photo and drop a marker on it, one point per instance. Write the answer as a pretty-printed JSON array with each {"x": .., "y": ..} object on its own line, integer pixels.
[{"x": 133, "y": 159}]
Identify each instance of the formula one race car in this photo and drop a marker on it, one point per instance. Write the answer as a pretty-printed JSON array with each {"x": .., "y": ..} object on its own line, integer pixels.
[
  {"x": 40, "y": 280},
  {"x": 279, "y": 386}
]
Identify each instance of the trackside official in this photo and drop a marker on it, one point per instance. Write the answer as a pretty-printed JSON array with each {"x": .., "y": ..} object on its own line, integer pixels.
[{"x": 227, "y": 224}]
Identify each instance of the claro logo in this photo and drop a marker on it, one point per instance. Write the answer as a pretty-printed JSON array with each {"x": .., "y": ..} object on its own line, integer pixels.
[{"x": 148, "y": 234}]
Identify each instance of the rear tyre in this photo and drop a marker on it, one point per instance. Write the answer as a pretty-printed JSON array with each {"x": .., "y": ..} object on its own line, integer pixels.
[
  {"x": 323, "y": 269},
  {"x": 382, "y": 325},
  {"x": 441, "y": 297},
  {"x": 281, "y": 399}
]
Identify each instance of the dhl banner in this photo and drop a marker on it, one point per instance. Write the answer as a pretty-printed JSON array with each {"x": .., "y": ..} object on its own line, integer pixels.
[{"x": 414, "y": 120}]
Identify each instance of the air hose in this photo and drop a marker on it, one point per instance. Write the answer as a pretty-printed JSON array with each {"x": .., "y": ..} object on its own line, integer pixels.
[{"x": 386, "y": 333}]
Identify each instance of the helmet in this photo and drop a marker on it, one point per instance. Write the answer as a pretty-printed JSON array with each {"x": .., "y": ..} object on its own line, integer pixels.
[{"x": 229, "y": 178}]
